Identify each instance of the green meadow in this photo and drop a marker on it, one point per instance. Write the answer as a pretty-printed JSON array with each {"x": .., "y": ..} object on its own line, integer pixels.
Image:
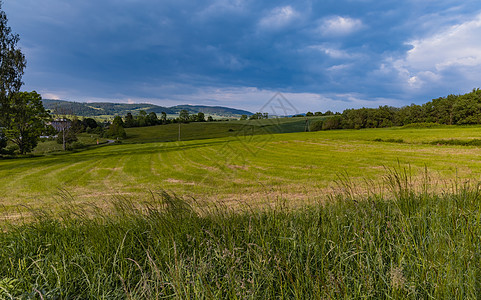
[
  {"x": 205, "y": 130},
  {"x": 239, "y": 168},
  {"x": 246, "y": 213}
]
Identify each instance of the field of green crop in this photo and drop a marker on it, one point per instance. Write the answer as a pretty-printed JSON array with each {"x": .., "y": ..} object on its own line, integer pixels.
[{"x": 242, "y": 169}]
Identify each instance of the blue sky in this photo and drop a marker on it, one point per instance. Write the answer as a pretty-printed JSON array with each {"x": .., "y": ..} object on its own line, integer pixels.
[{"x": 321, "y": 55}]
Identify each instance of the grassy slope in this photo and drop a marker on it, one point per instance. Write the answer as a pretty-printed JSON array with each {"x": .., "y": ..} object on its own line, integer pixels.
[
  {"x": 190, "y": 131},
  {"x": 50, "y": 146},
  {"x": 194, "y": 131},
  {"x": 242, "y": 169}
]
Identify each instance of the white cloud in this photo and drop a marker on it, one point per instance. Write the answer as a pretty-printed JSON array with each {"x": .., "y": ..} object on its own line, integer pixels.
[
  {"x": 249, "y": 98},
  {"x": 341, "y": 67},
  {"x": 226, "y": 60},
  {"x": 223, "y": 7},
  {"x": 278, "y": 18},
  {"x": 50, "y": 96},
  {"x": 458, "y": 45},
  {"x": 255, "y": 99},
  {"x": 454, "y": 50},
  {"x": 333, "y": 52},
  {"x": 340, "y": 26}
]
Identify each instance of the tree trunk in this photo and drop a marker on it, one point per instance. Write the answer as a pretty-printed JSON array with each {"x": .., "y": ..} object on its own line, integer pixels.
[{"x": 63, "y": 140}]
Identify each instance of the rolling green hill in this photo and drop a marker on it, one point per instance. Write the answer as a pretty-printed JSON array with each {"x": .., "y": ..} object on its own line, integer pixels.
[
  {"x": 211, "y": 110},
  {"x": 95, "y": 109}
]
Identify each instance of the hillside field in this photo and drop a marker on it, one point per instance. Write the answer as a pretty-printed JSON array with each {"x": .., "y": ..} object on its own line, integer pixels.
[
  {"x": 241, "y": 169},
  {"x": 204, "y": 130}
]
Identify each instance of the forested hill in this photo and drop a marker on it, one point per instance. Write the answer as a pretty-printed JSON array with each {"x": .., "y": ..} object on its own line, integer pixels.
[
  {"x": 211, "y": 110},
  {"x": 121, "y": 109}
]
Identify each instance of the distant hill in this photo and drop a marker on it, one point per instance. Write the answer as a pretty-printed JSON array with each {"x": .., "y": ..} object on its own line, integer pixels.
[
  {"x": 94, "y": 109},
  {"x": 211, "y": 110}
]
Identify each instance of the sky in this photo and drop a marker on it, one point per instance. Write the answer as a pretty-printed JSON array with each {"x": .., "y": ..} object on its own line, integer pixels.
[{"x": 319, "y": 55}]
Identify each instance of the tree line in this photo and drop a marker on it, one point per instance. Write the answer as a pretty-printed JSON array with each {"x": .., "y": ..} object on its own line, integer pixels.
[
  {"x": 143, "y": 119},
  {"x": 451, "y": 110}
]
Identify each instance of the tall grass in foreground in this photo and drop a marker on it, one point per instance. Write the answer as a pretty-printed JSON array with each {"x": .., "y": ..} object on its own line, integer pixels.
[{"x": 409, "y": 245}]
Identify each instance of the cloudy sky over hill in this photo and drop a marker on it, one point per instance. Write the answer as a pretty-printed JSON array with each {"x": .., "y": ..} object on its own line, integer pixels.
[{"x": 320, "y": 54}]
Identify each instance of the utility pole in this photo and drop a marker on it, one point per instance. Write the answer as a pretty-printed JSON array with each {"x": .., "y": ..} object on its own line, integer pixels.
[{"x": 179, "y": 131}]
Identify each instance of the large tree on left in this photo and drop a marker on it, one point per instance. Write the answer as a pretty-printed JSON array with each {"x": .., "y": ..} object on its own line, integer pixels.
[
  {"x": 28, "y": 118},
  {"x": 22, "y": 116},
  {"x": 12, "y": 63}
]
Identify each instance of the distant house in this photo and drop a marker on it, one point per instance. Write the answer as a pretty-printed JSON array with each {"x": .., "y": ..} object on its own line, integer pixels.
[{"x": 61, "y": 124}]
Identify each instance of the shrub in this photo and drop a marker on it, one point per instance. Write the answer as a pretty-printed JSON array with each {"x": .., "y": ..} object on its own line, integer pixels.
[
  {"x": 332, "y": 123},
  {"x": 389, "y": 140},
  {"x": 316, "y": 125},
  {"x": 115, "y": 131},
  {"x": 70, "y": 137},
  {"x": 78, "y": 145},
  {"x": 421, "y": 125},
  {"x": 9, "y": 150},
  {"x": 455, "y": 142}
]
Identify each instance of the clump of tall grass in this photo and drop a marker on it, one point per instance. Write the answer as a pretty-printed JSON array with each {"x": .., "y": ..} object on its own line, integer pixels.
[
  {"x": 400, "y": 141},
  {"x": 422, "y": 125},
  {"x": 412, "y": 244},
  {"x": 456, "y": 142}
]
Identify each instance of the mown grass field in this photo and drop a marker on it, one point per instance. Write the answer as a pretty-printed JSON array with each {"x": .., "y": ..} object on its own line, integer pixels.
[
  {"x": 402, "y": 222},
  {"x": 243, "y": 169},
  {"x": 206, "y": 130}
]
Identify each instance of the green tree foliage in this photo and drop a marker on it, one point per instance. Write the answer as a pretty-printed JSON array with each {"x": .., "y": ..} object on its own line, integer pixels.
[
  {"x": 3, "y": 140},
  {"x": 163, "y": 117},
  {"x": 184, "y": 116},
  {"x": 450, "y": 110},
  {"x": 200, "y": 117},
  {"x": 152, "y": 119},
  {"x": 89, "y": 123},
  {"x": 12, "y": 63},
  {"x": 144, "y": 119},
  {"x": 27, "y": 119},
  {"x": 66, "y": 138},
  {"x": 316, "y": 125},
  {"x": 116, "y": 129},
  {"x": 77, "y": 125},
  {"x": 118, "y": 121},
  {"x": 129, "y": 121},
  {"x": 141, "y": 118},
  {"x": 258, "y": 116}
]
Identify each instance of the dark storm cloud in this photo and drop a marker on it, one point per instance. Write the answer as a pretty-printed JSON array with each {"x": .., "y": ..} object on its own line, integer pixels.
[{"x": 201, "y": 51}]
